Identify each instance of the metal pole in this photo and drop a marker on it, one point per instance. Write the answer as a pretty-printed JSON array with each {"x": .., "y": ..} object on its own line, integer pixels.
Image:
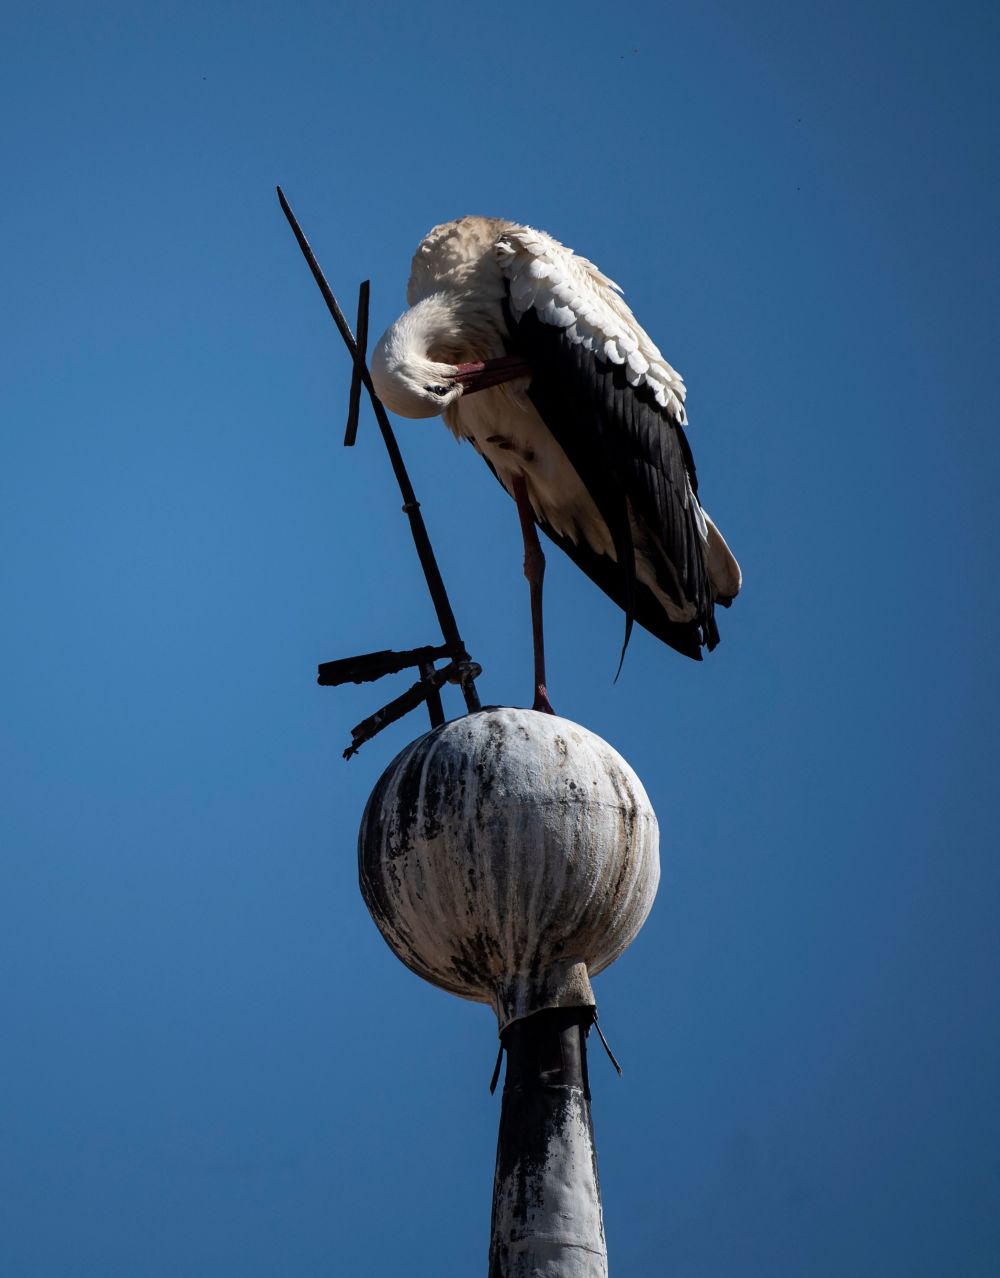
[{"x": 547, "y": 1215}]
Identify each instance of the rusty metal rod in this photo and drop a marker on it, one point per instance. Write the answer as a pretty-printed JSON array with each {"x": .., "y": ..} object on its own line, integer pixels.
[
  {"x": 369, "y": 666},
  {"x": 422, "y": 690},
  {"x": 411, "y": 507},
  {"x": 361, "y": 354},
  {"x": 434, "y": 707}
]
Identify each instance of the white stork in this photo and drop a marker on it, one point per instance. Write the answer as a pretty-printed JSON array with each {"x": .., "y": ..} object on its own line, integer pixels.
[{"x": 580, "y": 418}]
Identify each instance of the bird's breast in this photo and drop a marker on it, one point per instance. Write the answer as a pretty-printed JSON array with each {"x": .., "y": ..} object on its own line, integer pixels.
[{"x": 502, "y": 424}]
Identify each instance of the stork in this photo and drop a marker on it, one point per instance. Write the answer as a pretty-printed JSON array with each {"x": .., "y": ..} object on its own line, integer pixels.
[{"x": 530, "y": 353}]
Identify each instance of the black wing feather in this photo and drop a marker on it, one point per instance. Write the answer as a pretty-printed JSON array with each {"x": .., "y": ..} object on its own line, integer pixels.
[{"x": 629, "y": 453}]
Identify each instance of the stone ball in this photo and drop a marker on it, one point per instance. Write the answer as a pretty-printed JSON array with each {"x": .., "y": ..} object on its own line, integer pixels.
[{"x": 507, "y": 856}]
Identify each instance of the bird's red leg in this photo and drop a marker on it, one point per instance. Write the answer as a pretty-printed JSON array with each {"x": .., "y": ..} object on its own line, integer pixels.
[{"x": 534, "y": 570}]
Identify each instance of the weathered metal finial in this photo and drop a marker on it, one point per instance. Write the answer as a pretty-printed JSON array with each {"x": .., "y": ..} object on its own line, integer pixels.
[{"x": 507, "y": 857}]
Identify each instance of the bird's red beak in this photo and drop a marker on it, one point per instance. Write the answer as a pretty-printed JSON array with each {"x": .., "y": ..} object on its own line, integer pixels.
[{"x": 490, "y": 372}]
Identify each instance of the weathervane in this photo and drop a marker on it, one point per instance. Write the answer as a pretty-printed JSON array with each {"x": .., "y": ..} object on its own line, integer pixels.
[{"x": 369, "y": 666}]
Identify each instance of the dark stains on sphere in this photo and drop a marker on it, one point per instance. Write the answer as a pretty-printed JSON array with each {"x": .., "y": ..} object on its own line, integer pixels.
[{"x": 507, "y": 856}]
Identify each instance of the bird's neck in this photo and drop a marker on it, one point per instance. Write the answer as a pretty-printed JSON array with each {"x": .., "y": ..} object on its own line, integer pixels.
[
  {"x": 423, "y": 331},
  {"x": 407, "y": 359}
]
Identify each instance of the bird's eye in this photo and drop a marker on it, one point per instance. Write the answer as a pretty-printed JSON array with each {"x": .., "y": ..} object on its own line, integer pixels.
[{"x": 437, "y": 390}]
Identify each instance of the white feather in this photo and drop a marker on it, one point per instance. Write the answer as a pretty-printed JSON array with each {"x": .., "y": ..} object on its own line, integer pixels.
[{"x": 560, "y": 281}]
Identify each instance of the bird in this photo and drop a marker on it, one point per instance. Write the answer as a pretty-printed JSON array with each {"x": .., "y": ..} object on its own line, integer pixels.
[{"x": 531, "y": 354}]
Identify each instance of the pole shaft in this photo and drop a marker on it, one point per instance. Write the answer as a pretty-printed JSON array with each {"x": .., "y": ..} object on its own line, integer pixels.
[{"x": 547, "y": 1216}]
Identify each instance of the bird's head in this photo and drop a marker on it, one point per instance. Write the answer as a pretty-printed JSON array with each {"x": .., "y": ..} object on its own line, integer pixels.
[
  {"x": 407, "y": 379},
  {"x": 413, "y": 382},
  {"x": 412, "y": 386}
]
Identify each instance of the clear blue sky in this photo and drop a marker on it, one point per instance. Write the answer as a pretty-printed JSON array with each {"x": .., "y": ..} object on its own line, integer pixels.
[{"x": 211, "y": 1065}]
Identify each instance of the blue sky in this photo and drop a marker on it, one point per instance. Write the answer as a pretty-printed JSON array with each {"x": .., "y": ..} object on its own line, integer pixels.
[{"x": 211, "y": 1064}]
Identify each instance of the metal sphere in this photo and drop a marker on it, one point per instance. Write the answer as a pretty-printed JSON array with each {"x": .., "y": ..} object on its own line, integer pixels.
[{"x": 507, "y": 856}]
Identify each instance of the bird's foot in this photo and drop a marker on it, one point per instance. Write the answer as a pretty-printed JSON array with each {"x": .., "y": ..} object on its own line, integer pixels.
[{"x": 542, "y": 701}]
